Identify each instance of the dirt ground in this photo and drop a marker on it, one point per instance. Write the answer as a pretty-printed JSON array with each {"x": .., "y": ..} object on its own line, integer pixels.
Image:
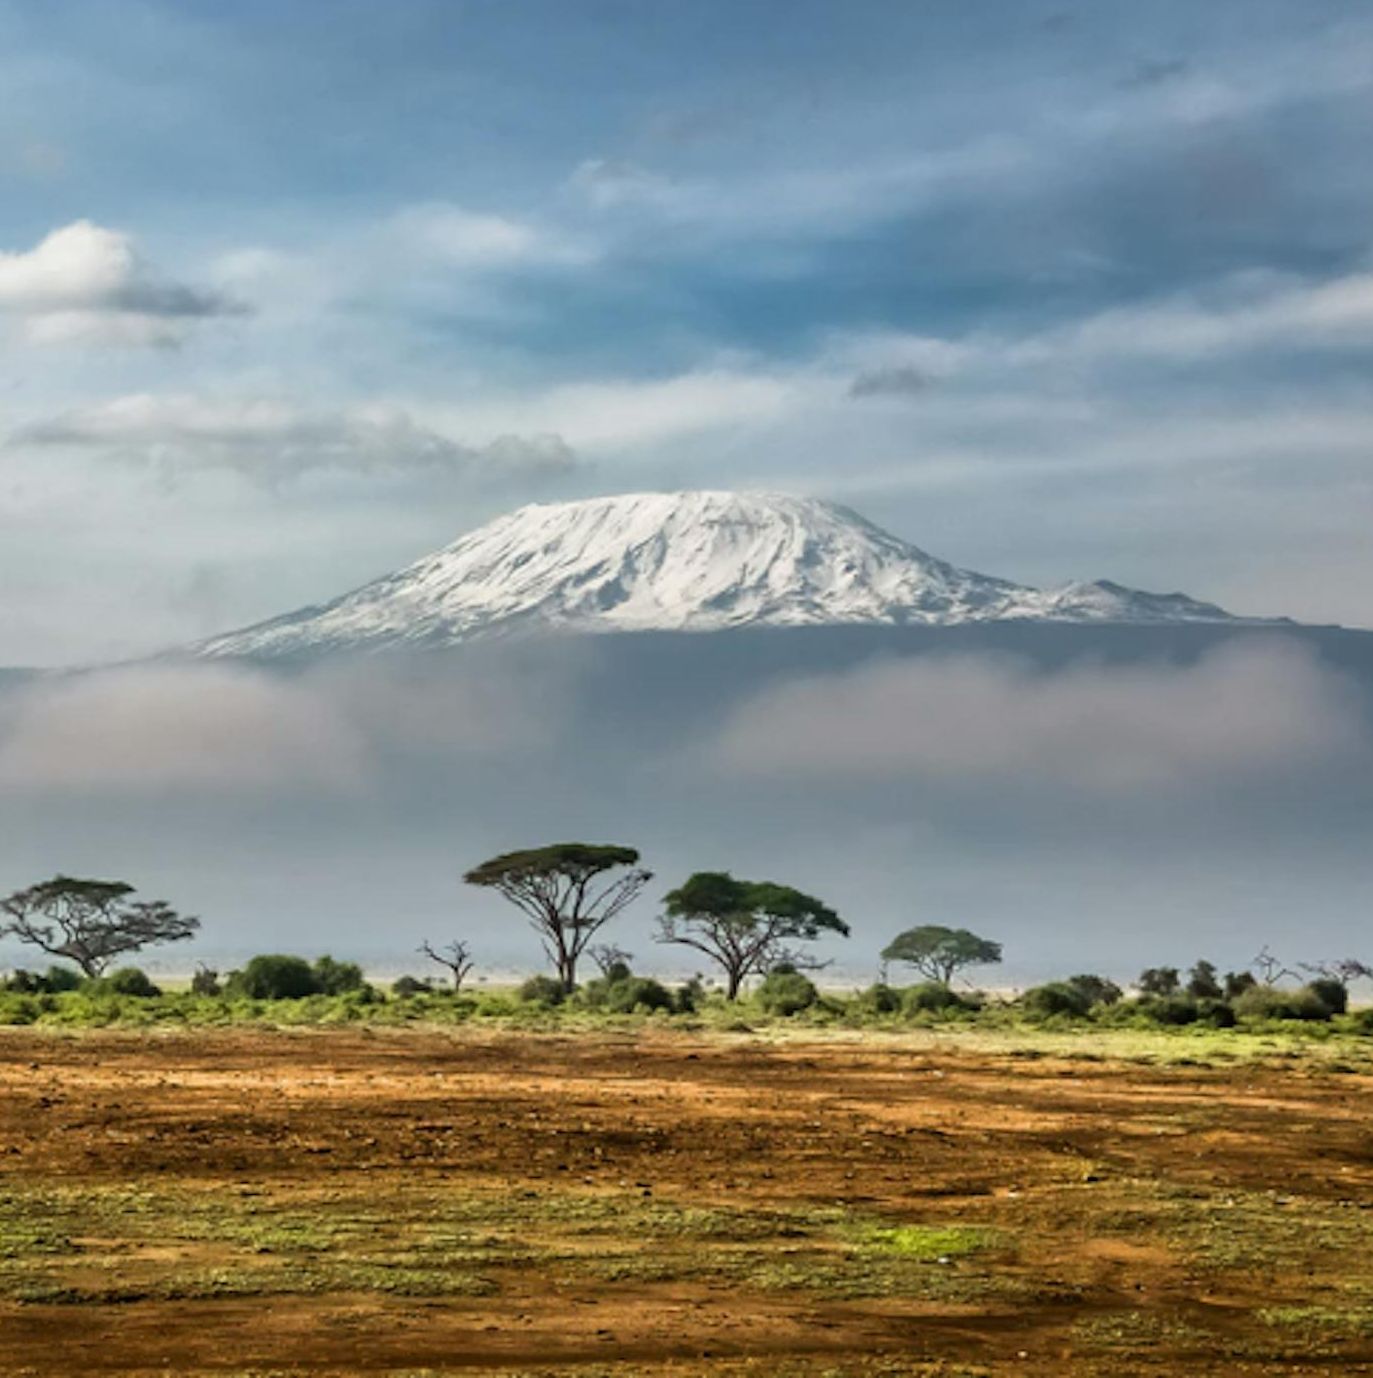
[{"x": 409, "y": 1202}]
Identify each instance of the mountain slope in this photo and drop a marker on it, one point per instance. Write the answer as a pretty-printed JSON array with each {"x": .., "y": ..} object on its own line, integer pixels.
[{"x": 683, "y": 562}]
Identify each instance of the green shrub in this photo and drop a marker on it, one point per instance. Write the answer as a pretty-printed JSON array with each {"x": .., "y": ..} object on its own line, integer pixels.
[
  {"x": 1159, "y": 981},
  {"x": 54, "y": 981},
  {"x": 690, "y": 996},
  {"x": 1237, "y": 982},
  {"x": 1219, "y": 1014},
  {"x": 18, "y": 1009},
  {"x": 1268, "y": 1002},
  {"x": 205, "y": 982},
  {"x": 407, "y": 987},
  {"x": 542, "y": 990},
  {"x": 785, "y": 991},
  {"x": 274, "y": 976},
  {"x": 337, "y": 978},
  {"x": 1057, "y": 997},
  {"x": 1361, "y": 1021},
  {"x": 131, "y": 981},
  {"x": 1099, "y": 990},
  {"x": 636, "y": 993},
  {"x": 1333, "y": 994},
  {"x": 1168, "y": 1009},
  {"x": 931, "y": 997},
  {"x": 879, "y": 999}
]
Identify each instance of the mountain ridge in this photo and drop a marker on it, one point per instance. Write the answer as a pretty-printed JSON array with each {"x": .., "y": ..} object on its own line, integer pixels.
[{"x": 690, "y": 561}]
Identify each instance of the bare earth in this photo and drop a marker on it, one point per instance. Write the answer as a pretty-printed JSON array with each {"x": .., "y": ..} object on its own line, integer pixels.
[{"x": 407, "y": 1202}]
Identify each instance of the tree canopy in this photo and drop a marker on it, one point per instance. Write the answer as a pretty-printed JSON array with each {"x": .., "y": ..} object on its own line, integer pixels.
[
  {"x": 568, "y": 891},
  {"x": 744, "y": 926},
  {"x": 90, "y": 922},
  {"x": 938, "y": 953}
]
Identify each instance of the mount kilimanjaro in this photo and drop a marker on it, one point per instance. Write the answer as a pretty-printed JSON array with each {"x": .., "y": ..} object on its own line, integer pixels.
[{"x": 684, "y": 562}]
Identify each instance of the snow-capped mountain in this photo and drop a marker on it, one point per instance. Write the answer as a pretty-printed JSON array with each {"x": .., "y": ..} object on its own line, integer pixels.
[{"x": 682, "y": 562}]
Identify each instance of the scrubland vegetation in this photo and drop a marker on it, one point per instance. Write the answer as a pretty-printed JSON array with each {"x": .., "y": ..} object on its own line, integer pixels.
[
  {"x": 756, "y": 938},
  {"x": 290, "y": 990}
]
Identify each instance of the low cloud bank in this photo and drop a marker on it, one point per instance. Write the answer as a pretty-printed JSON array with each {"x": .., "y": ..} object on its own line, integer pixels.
[
  {"x": 229, "y": 731},
  {"x": 1241, "y": 713}
]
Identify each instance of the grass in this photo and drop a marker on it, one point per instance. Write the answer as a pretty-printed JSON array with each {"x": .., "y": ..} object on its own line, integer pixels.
[{"x": 63, "y": 1244}]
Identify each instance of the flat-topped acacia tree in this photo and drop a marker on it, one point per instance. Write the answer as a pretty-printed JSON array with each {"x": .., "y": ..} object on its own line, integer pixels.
[
  {"x": 568, "y": 891},
  {"x": 937, "y": 952},
  {"x": 744, "y": 926},
  {"x": 90, "y": 922}
]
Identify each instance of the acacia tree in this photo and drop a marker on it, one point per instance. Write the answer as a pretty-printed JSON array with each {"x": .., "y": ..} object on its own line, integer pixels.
[
  {"x": 744, "y": 926},
  {"x": 568, "y": 891},
  {"x": 90, "y": 922},
  {"x": 937, "y": 953},
  {"x": 456, "y": 956}
]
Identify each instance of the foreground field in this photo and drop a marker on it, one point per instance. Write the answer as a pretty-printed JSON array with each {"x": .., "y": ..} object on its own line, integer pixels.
[{"x": 421, "y": 1202}]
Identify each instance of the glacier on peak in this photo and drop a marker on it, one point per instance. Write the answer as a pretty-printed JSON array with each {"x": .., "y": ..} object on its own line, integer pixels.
[{"x": 696, "y": 561}]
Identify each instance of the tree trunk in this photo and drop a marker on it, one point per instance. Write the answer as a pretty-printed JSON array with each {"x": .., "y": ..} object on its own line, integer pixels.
[{"x": 736, "y": 979}]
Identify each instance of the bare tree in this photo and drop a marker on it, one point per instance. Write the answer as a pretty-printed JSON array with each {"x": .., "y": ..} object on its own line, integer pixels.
[
  {"x": 456, "y": 956},
  {"x": 1345, "y": 970},
  {"x": 568, "y": 891},
  {"x": 91, "y": 922},
  {"x": 1270, "y": 969},
  {"x": 607, "y": 956}
]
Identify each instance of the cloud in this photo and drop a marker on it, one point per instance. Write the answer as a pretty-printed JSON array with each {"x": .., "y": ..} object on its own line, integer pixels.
[
  {"x": 84, "y": 282},
  {"x": 452, "y": 236},
  {"x": 272, "y": 440},
  {"x": 1331, "y": 314},
  {"x": 620, "y": 413},
  {"x": 1154, "y": 73},
  {"x": 160, "y": 730},
  {"x": 218, "y": 730},
  {"x": 1245, "y": 712},
  {"x": 897, "y": 380}
]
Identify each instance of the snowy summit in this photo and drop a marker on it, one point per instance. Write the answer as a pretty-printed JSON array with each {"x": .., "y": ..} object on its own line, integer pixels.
[{"x": 681, "y": 562}]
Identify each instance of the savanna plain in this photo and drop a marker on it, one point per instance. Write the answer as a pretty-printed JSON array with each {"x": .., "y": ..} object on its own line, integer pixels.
[{"x": 642, "y": 1200}]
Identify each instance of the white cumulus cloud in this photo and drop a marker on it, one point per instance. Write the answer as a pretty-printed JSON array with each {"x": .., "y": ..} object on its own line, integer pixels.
[{"x": 84, "y": 282}]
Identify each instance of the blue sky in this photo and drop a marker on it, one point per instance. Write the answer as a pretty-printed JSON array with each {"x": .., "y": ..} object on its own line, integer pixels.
[{"x": 290, "y": 294}]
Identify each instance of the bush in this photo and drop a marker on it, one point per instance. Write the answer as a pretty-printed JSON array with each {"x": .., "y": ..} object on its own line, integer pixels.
[
  {"x": 1158, "y": 981},
  {"x": 1268, "y": 1002},
  {"x": 274, "y": 976},
  {"x": 785, "y": 991},
  {"x": 1361, "y": 1021},
  {"x": 1333, "y": 994},
  {"x": 54, "y": 981},
  {"x": 690, "y": 996},
  {"x": 205, "y": 982},
  {"x": 132, "y": 981},
  {"x": 406, "y": 987},
  {"x": 1098, "y": 990},
  {"x": 1219, "y": 1014},
  {"x": 1237, "y": 982},
  {"x": 542, "y": 990},
  {"x": 879, "y": 999},
  {"x": 1169, "y": 1009},
  {"x": 1057, "y": 997},
  {"x": 337, "y": 978},
  {"x": 931, "y": 996},
  {"x": 1202, "y": 982},
  {"x": 636, "y": 993}
]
